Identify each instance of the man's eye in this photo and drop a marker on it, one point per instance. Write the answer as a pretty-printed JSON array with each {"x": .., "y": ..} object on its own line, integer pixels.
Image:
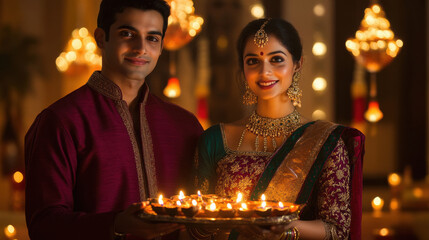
[
  {"x": 153, "y": 38},
  {"x": 126, "y": 34},
  {"x": 252, "y": 61},
  {"x": 277, "y": 59}
]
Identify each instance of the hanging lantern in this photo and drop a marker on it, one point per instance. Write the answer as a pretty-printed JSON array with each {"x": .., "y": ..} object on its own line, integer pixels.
[
  {"x": 374, "y": 47},
  {"x": 80, "y": 54},
  {"x": 183, "y": 24},
  {"x": 373, "y": 114},
  {"x": 172, "y": 90}
]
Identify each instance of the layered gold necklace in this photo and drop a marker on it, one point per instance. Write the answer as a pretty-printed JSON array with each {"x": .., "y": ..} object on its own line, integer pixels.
[{"x": 271, "y": 128}]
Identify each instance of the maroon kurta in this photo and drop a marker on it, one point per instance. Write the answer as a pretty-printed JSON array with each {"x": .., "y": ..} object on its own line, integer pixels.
[{"x": 84, "y": 163}]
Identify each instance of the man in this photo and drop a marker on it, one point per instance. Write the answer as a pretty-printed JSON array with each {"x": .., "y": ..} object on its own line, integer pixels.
[{"x": 110, "y": 143}]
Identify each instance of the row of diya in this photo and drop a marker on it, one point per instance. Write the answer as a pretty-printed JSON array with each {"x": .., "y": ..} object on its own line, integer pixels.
[{"x": 213, "y": 206}]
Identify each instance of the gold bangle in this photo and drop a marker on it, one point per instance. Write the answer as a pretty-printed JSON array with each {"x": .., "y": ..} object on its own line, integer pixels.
[
  {"x": 296, "y": 233},
  {"x": 118, "y": 236},
  {"x": 283, "y": 236}
]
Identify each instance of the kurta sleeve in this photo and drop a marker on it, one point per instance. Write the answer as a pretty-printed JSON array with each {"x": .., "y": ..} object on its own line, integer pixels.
[
  {"x": 51, "y": 163},
  {"x": 334, "y": 194},
  {"x": 210, "y": 150}
]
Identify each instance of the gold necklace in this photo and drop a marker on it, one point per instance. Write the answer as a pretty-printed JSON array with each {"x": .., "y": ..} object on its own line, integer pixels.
[{"x": 271, "y": 127}]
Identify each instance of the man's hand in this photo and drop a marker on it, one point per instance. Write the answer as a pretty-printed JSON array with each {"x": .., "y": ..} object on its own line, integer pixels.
[{"x": 127, "y": 222}]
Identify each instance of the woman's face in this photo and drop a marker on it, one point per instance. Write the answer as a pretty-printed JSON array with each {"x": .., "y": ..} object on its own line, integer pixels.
[{"x": 268, "y": 70}]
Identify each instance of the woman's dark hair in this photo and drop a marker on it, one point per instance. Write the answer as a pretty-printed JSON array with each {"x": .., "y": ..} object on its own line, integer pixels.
[
  {"x": 281, "y": 29},
  {"x": 109, "y": 9}
]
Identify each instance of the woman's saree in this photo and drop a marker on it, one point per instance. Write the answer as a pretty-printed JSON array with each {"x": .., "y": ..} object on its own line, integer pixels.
[{"x": 292, "y": 172}]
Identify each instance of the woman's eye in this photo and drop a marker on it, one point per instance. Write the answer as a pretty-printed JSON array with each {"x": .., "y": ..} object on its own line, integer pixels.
[
  {"x": 252, "y": 61},
  {"x": 277, "y": 59}
]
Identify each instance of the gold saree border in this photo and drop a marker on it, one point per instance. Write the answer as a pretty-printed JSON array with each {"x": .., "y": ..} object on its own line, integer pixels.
[{"x": 291, "y": 174}]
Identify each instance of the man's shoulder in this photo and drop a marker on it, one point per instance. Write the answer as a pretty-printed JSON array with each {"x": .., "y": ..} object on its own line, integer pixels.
[{"x": 73, "y": 100}]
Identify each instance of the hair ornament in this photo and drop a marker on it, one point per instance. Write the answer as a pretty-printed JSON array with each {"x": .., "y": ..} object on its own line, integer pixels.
[{"x": 261, "y": 37}]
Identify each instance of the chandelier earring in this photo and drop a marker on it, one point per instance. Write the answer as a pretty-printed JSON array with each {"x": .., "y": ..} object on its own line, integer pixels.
[
  {"x": 249, "y": 98},
  {"x": 294, "y": 93}
]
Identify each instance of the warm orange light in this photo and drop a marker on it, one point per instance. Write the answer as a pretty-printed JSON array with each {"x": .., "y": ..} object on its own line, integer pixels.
[
  {"x": 418, "y": 192},
  {"x": 377, "y": 204},
  {"x": 80, "y": 53},
  {"x": 172, "y": 90},
  {"x": 394, "y": 204},
  {"x": 373, "y": 114},
  {"x": 263, "y": 197},
  {"x": 194, "y": 202},
  {"x": 160, "y": 201},
  {"x": 281, "y": 205},
  {"x": 212, "y": 206},
  {"x": 183, "y": 24},
  {"x": 18, "y": 177},
  {"x": 239, "y": 197},
  {"x": 374, "y": 45},
  {"x": 181, "y": 195},
  {"x": 394, "y": 179},
  {"x": 384, "y": 232},
  {"x": 9, "y": 231},
  {"x": 243, "y": 206}
]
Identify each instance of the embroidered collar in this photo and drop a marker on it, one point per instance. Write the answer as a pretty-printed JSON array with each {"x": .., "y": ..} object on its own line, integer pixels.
[{"x": 108, "y": 88}]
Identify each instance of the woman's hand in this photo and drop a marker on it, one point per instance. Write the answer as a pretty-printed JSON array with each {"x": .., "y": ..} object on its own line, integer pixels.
[
  {"x": 127, "y": 222},
  {"x": 261, "y": 233}
]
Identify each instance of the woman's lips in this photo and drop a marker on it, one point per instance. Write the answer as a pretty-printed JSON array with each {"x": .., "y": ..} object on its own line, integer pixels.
[{"x": 267, "y": 84}]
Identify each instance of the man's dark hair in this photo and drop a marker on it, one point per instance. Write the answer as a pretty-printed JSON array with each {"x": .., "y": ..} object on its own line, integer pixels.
[{"x": 109, "y": 9}]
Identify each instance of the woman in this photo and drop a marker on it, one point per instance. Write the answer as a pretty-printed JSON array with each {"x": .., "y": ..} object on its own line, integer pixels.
[{"x": 278, "y": 152}]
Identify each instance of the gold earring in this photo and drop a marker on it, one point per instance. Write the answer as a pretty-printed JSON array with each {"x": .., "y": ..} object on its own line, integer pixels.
[
  {"x": 249, "y": 98},
  {"x": 294, "y": 93}
]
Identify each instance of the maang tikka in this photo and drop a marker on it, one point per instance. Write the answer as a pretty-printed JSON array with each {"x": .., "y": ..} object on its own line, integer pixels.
[{"x": 261, "y": 37}]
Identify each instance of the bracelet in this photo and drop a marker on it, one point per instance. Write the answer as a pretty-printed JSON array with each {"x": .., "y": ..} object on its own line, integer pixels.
[
  {"x": 118, "y": 236},
  {"x": 290, "y": 234}
]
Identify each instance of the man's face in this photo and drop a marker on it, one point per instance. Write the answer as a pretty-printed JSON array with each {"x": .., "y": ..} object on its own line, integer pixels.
[{"x": 134, "y": 45}]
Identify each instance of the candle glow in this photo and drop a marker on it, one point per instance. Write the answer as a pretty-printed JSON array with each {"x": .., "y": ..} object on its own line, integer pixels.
[
  {"x": 181, "y": 195},
  {"x": 179, "y": 203},
  {"x": 212, "y": 206},
  {"x": 194, "y": 203},
  {"x": 394, "y": 179},
  {"x": 160, "y": 201},
  {"x": 9, "y": 231},
  {"x": 229, "y": 206},
  {"x": 281, "y": 205},
  {"x": 377, "y": 203},
  {"x": 243, "y": 206},
  {"x": 239, "y": 197}
]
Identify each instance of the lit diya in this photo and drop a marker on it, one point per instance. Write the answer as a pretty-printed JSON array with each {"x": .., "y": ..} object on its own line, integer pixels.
[
  {"x": 281, "y": 209},
  {"x": 244, "y": 211},
  {"x": 263, "y": 210},
  {"x": 190, "y": 210},
  {"x": 158, "y": 207},
  {"x": 226, "y": 211},
  {"x": 211, "y": 210}
]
